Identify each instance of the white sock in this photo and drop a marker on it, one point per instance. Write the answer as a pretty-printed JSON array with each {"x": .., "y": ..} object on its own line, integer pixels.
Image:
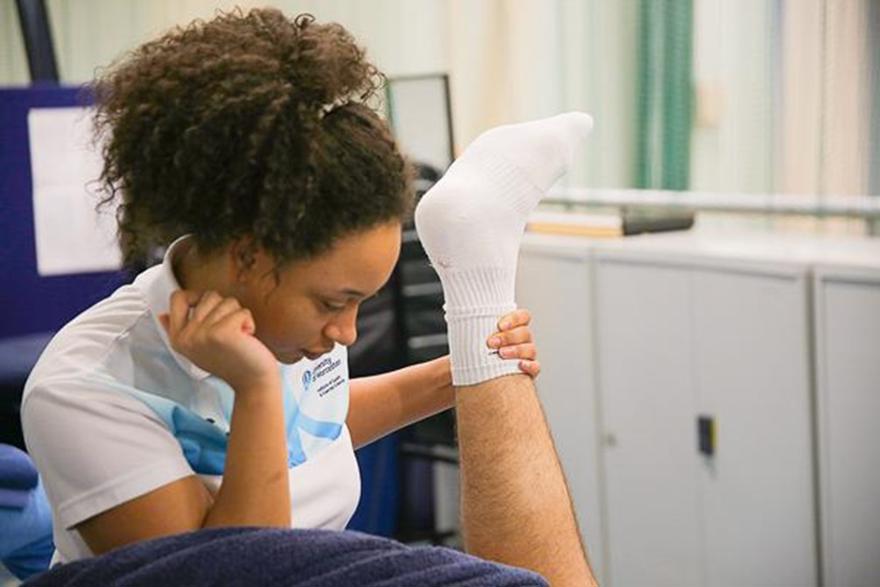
[{"x": 471, "y": 224}]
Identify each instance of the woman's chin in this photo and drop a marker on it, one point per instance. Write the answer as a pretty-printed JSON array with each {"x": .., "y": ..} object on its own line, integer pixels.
[{"x": 289, "y": 357}]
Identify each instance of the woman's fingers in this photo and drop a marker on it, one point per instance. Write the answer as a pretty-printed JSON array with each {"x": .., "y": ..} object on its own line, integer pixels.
[
  {"x": 178, "y": 310},
  {"x": 514, "y": 341},
  {"x": 226, "y": 307},
  {"x": 518, "y": 335},
  {"x": 519, "y": 351},
  {"x": 216, "y": 334},
  {"x": 205, "y": 305},
  {"x": 190, "y": 312},
  {"x": 240, "y": 320},
  {"x": 519, "y": 317},
  {"x": 530, "y": 368}
]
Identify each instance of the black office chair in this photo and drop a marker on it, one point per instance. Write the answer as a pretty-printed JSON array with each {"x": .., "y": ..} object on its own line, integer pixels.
[{"x": 416, "y": 327}]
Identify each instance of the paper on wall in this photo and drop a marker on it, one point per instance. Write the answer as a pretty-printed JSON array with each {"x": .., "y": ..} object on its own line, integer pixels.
[{"x": 71, "y": 236}]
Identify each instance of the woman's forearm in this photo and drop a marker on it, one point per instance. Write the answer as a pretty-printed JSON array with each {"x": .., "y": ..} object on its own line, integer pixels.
[
  {"x": 255, "y": 490},
  {"x": 384, "y": 403}
]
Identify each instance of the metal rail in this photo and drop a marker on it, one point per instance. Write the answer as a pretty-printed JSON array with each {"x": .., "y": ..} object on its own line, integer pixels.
[{"x": 865, "y": 207}]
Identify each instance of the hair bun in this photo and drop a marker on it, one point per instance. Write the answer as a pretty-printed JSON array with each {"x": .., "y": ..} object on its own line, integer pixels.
[
  {"x": 324, "y": 64},
  {"x": 218, "y": 129}
]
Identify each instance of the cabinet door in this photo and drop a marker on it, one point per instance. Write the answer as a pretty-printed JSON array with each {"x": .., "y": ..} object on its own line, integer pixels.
[
  {"x": 648, "y": 404},
  {"x": 751, "y": 355},
  {"x": 556, "y": 290},
  {"x": 848, "y": 353}
]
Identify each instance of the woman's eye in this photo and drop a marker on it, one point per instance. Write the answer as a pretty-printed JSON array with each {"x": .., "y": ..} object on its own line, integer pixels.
[{"x": 332, "y": 307}]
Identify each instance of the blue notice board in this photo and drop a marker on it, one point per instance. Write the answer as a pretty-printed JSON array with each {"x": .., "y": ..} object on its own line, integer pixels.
[{"x": 30, "y": 303}]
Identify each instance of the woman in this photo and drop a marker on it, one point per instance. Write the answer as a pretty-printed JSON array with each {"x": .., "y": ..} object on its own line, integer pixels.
[{"x": 213, "y": 391}]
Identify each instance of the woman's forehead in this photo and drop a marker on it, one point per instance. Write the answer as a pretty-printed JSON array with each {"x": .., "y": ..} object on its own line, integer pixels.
[{"x": 359, "y": 263}]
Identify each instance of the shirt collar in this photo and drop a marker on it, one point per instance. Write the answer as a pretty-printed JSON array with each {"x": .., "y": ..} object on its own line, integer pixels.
[{"x": 157, "y": 284}]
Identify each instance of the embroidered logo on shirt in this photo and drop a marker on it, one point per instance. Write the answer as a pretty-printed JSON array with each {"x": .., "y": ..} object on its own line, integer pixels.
[{"x": 326, "y": 368}]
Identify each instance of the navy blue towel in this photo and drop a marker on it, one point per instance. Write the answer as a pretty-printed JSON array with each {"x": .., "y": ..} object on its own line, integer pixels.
[{"x": 248, "y": 557}]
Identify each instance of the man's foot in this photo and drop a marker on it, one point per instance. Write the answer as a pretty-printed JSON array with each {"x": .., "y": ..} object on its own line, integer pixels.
[{"x": 472, "y": 221}]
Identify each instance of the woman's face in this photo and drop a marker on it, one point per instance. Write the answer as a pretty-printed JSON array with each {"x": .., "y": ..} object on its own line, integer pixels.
[{"x": 315, "y": 304}]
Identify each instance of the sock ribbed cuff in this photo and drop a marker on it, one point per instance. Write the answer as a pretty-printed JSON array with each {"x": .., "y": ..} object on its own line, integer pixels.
[
  {"x": 473, "y": 291},
  {"x": 472, "y": 361},
  {"x": 475, "y": 300}
]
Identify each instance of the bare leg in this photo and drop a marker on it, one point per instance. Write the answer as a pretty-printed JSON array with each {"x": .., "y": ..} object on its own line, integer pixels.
[
  {"x": 515, "y": 505},
  {"x": 515, "y": 502}
]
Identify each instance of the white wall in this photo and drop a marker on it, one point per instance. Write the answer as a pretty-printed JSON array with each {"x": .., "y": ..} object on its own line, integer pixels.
[
  {"x": 782, "y": 85},
  {"x": 508, "y": 60},
  {"x": 13, "y": 61}
]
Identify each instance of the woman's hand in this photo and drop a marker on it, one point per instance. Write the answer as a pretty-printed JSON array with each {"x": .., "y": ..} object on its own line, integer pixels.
[
  {"x": 514, "y": 341},
  {"x": 217, "y": 334}
]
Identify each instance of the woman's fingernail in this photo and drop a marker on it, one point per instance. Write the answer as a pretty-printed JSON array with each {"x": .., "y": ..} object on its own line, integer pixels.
[
  {"x": 504, "y": 325},
  {"x": 505, "y": 353},
  {"x": 494, "y": 342}
]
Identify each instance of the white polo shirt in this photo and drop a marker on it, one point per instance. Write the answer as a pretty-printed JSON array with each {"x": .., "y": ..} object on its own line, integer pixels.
[{"x": 111, "y": 412}]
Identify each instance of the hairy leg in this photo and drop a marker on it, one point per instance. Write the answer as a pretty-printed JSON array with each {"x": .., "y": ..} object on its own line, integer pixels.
[{"x": 516, "y": 506}]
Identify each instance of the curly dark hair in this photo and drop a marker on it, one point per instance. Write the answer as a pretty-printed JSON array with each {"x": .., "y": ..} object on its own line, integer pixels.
[{"x": 248, "y": 125}]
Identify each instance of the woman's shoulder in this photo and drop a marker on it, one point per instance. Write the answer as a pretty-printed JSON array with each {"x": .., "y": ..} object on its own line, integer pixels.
[{"x": 85, "y": 342}]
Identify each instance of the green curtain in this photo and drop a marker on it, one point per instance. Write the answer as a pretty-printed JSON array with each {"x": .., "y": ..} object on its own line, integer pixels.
[
  {"x": 874, "y": 64},
  {"x": 665, "y": 94}
]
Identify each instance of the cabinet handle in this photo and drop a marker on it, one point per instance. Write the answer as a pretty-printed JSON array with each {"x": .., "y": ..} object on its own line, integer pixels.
[{"x": 706, "y": 435}]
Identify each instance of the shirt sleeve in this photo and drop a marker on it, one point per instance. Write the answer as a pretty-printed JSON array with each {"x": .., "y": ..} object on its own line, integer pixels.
[{"x": 96, "y": 448}]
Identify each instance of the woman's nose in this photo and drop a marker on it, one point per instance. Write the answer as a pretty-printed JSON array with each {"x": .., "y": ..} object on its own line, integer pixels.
[{"x": 344, "y": 328}]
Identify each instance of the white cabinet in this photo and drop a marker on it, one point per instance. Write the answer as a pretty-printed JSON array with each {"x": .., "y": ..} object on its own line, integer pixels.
[
  {"x": 646, "y": 381},
  {"x": 775, "y": 339},
  {"x": 680, "y": 339},
  {"x": 847, "y": 309},
  {"x": 753, "y": 375}
]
